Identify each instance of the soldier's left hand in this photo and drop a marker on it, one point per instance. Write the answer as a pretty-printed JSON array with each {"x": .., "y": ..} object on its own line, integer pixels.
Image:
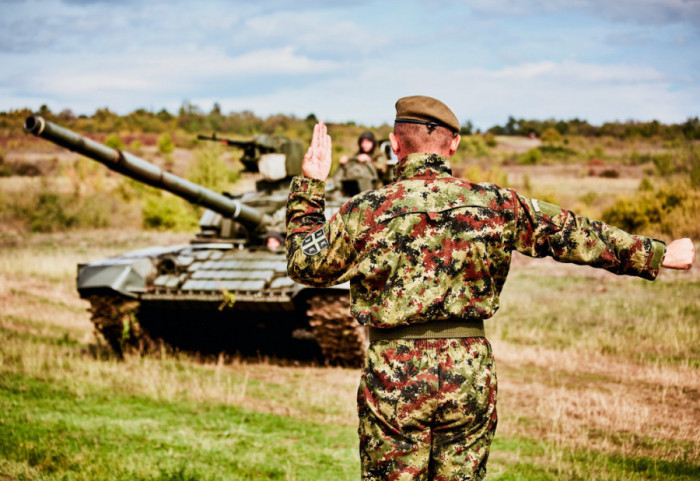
[
  {"x": 317, "y": 161},
  {"x": 680, "y": 254}
]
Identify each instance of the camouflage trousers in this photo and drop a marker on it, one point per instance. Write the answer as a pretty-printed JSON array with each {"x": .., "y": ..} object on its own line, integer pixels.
[{"x": 427, "y": 409}]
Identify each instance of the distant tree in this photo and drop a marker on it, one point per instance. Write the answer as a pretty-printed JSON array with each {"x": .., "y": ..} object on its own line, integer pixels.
[
  {"x": 190, "y": 117},
  {"x": 45, "y": 111},
  {"x": 562, "y": 127},
  {"x": 164, "y": 115},
  {"x": 467, "y": 128},
  {"x": 551, "y": 136},
  {"x": 66, "y": 115},
  {"x": 511, "y": 126},
  {"x": 691, "y": 128}
]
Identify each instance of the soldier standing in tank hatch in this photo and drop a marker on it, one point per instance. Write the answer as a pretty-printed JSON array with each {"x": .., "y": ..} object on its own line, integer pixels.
[
  {"x": 364, "y": 170},
  {"x": 367, "y": 152},
  {"x": 427, "y": 257}
]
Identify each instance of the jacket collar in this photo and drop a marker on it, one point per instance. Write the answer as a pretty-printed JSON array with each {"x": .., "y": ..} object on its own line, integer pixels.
[{"x": 423, "y": 166}]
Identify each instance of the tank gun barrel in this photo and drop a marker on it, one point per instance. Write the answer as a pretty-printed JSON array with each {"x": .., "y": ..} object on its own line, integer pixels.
[{"x": 143, "y": 171}]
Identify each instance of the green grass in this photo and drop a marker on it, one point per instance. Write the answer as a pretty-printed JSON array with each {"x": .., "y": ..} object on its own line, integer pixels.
[{"x": 55, "y": 432}]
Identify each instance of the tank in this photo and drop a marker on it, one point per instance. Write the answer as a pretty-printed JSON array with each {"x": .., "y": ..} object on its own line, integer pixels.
[{"x": 227, "y": 290}]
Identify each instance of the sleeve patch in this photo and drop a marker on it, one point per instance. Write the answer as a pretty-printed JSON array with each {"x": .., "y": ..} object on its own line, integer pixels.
[
  {"x": 535, "y": 204},
  {"x": 314, "y": 243}
]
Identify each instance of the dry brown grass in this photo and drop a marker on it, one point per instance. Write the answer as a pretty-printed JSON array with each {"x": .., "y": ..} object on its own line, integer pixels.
[{"x": 583, "y": 399}]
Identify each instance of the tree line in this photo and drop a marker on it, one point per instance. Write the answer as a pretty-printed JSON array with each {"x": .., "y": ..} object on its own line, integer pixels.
[
  {"x": 192, "y": 119},
  {"x": 690, "y": 129}
]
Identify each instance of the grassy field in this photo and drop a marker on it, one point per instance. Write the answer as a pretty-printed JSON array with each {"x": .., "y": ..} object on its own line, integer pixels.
[
  {"x": 599, "y": 374},
  {"x": 599, "y": 379}
]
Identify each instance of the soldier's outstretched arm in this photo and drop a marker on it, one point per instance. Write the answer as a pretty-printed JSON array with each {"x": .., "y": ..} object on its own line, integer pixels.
[
  {"x": 319, "y": 253},
  {"x": 545, "y": 229}
]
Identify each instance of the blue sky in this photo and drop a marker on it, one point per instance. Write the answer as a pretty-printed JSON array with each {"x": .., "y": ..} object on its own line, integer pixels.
[{"x": 351, "y": 60}]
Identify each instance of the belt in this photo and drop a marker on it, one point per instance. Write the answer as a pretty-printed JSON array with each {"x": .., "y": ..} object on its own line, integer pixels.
[{"x": 430, "y": 330}]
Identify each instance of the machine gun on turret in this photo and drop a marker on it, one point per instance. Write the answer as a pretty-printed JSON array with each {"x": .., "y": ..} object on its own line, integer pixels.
[{"x": 275, "y": 156}]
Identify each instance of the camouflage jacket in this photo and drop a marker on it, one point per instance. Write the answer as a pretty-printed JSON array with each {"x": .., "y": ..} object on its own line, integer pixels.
[{"x": 431, "y": 246}]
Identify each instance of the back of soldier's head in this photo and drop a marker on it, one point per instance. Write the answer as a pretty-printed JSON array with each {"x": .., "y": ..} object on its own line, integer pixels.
[
  {"x": 421, "y": 138},
  {"x": 424, "y": 124}
]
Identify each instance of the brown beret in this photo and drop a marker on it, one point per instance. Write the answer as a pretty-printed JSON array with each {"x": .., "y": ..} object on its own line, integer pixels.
[{"x": 419, "y": 109}]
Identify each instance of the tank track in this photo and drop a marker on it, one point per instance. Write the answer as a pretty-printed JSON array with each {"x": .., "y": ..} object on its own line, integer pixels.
[
  {"x": 342, "y": 340},
  {"x": 114, "y": 317}
]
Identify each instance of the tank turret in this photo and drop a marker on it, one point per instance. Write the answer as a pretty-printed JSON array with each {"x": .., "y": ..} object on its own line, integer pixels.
[{"x": 226, "y": 291}]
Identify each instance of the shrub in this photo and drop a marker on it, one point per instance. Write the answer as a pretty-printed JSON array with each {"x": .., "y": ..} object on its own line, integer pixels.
[
  {"x": 589, "y": 198},
  {"x": 474, "y": 146},
  {"x": 210, "y": 170},
  {"x": 645, "y": 185},
  {"x": 165, "y": 144},
  {"x": 42, "y": 209},
  {"x": 664, "y": 164},
  {"x": 135, "y": 146},
  {"x": 531, "y": 157},
  {"x": 163, "y": 211},
  {"x": 551, "y": 136},
  {"x": 490, "y": 139},
  {"x": 670, "y": 211},
  {"x": 557, "y": 151},
  {"x": 597, "y": 153},
  {"x": 636, "y": 158},
  {"x": 114, "y": 142}
]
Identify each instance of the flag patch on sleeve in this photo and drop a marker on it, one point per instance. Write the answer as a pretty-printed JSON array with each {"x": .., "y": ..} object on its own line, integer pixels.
[{"x": 314, "y": 243}]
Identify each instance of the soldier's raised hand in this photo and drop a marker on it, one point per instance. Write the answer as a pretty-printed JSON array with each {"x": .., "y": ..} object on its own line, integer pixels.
[
  {"x": 680, "y": 254},
  {"x": 317, "y": 161}
]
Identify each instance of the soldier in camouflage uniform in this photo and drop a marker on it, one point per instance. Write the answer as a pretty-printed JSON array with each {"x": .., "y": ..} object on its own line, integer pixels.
[{"x": 427, "y": 257}]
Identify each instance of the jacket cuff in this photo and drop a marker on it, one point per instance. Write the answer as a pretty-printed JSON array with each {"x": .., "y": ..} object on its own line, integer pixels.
[
  {"x": 656, "y": 257},
  {"x": 308, "y": 186}
]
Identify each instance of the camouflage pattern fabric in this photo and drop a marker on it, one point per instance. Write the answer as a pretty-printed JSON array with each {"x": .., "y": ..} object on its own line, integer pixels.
[
  {"x": 427, "y": 409},
  {"x": 430, "y": 246}
]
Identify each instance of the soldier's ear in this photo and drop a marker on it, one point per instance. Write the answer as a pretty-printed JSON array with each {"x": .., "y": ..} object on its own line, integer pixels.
[
  {"x": 394, "y": 144},
  {"x": 454, "y": 143}
]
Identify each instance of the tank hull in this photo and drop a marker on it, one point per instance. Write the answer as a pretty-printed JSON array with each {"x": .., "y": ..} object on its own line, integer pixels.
[{"x": 214, "y": 298}]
